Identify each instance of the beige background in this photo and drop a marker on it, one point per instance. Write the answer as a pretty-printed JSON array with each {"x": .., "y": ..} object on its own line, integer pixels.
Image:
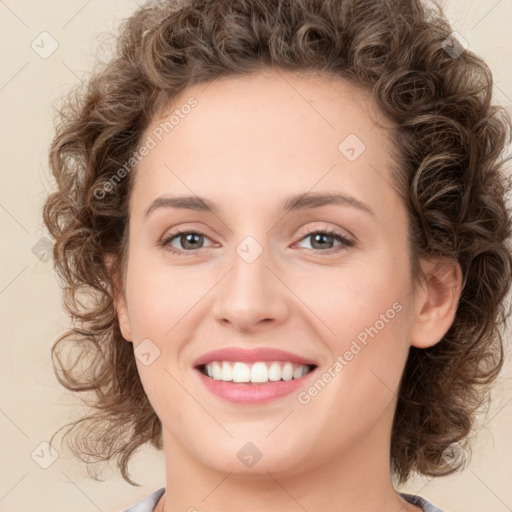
[{"x": 32, "y": 404}]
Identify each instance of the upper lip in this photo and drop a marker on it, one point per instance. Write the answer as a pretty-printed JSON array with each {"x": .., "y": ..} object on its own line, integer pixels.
[{"x": 251, "y": 356}]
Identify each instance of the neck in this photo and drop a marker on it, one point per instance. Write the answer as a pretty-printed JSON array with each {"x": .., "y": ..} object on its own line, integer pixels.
[{"x": 357, "y": 479}]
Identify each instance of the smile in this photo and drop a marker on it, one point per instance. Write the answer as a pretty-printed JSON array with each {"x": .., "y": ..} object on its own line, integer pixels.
[
  {"x": 253, "y": 376},
  {"x": 257, "y": 373}
]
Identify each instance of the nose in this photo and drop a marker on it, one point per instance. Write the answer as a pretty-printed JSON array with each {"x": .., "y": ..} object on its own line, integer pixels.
[{"x": 253, "y": 295}]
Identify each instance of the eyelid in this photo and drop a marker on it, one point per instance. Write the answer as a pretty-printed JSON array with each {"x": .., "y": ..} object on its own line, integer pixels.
[
  {"x": 169, "y": 236},
  {"x": 345, "y": 233},
  {"x": 345, "y": 241},
  {"x": 187, "y": 227}
]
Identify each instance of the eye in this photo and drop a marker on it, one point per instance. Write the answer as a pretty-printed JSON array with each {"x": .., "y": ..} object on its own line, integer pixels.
[
  {"x": 190, "y": 241},
  {"x": 323, "y": 240}
]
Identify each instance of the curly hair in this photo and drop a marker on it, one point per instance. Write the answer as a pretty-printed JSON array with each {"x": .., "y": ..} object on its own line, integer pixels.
[{"x": 449, "y": 140}]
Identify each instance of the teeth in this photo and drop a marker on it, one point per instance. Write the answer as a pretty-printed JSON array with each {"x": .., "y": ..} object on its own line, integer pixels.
[
  {"x": 216, "y": 370},
  {"x": 288, "y": 371},
  {"x": 227, "y": 372},
  {"x": 241, "y": 372},
  {"x": 274, "y": 372},
  {"x": 259, "y": 372},
  {"x": 256, "y": 372},
  {"x": 297, "y": 372}
]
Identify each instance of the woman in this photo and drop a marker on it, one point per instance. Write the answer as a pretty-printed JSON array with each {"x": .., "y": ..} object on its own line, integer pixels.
[{"x": 200, "y": 174}]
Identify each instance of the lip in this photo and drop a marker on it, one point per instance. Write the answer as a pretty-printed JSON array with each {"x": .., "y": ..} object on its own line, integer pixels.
[
  {"x": 254, "y": 355},
  {"x": 252, "y": 393}
]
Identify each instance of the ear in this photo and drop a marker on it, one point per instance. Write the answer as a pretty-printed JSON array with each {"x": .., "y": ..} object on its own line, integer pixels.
[
  {"x": 436, "y": 302},
  {"x": 119, "y": 298}
]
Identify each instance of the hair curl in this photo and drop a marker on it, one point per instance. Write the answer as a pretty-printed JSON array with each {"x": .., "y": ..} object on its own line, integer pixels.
[{"x": 449, "y": 139}]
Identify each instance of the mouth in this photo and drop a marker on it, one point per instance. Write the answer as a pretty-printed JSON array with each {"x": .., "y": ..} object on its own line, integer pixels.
[
  {"x": 253, "y": 376},
  {"x": 257, "y": 373}
]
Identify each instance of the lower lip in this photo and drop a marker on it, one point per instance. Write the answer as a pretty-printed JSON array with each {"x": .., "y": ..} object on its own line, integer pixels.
[{"x": 248, "y": 393}]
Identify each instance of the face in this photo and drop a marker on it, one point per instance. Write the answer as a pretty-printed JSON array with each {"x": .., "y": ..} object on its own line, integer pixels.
[{"x": 294, "y": 240}]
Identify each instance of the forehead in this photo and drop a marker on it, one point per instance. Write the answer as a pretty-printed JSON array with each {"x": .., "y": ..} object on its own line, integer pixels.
[{"x": 255, "y": 136}]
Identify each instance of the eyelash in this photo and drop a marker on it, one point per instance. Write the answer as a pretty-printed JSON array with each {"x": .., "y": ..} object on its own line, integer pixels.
[{"x": 345, "y": 242}]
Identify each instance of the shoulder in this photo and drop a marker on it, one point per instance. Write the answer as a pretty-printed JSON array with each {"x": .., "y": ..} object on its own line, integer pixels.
[
  {"x": 421, "y": 502},
  {"x": 148, "y": 503}
]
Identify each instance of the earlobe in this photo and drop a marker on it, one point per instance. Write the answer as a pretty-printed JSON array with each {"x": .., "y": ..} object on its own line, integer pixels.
[
  {"x": 119, "y": 299},
  {"x": 436, "y": 303}
]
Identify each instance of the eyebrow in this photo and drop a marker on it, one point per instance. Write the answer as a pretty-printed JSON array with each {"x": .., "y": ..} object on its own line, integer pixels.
[{"x": 292, "y": 203}]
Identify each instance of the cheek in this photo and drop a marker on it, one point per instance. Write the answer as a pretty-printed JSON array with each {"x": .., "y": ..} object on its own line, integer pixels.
[
  {"x": 158, "y": 296},
  {"x": 366, "y": 314},
  {"x": 159, "y": 300},
  {"x": 345, "y": 299},
  {"x": 352, "y": 298},
  {"x": 369, "y": 352}
]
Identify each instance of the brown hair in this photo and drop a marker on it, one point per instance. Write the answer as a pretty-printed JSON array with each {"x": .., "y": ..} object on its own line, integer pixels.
[{"x": 449, "y": 138}]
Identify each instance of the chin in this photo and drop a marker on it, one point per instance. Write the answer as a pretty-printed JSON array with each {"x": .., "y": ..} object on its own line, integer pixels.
[{"x": 246, "y": 459}]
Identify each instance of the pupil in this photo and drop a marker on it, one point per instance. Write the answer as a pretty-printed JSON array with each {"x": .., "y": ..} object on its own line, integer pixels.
[
  {"x": 321, "y": 237},
  {"x": 189, "y": 239}
]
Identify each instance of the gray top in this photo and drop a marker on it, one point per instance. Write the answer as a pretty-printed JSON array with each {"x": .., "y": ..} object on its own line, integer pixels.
[{"x": 148, "y": 504}]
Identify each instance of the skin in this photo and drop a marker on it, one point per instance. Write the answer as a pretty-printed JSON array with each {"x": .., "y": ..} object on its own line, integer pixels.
[{"x": 250, "y": 142}]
